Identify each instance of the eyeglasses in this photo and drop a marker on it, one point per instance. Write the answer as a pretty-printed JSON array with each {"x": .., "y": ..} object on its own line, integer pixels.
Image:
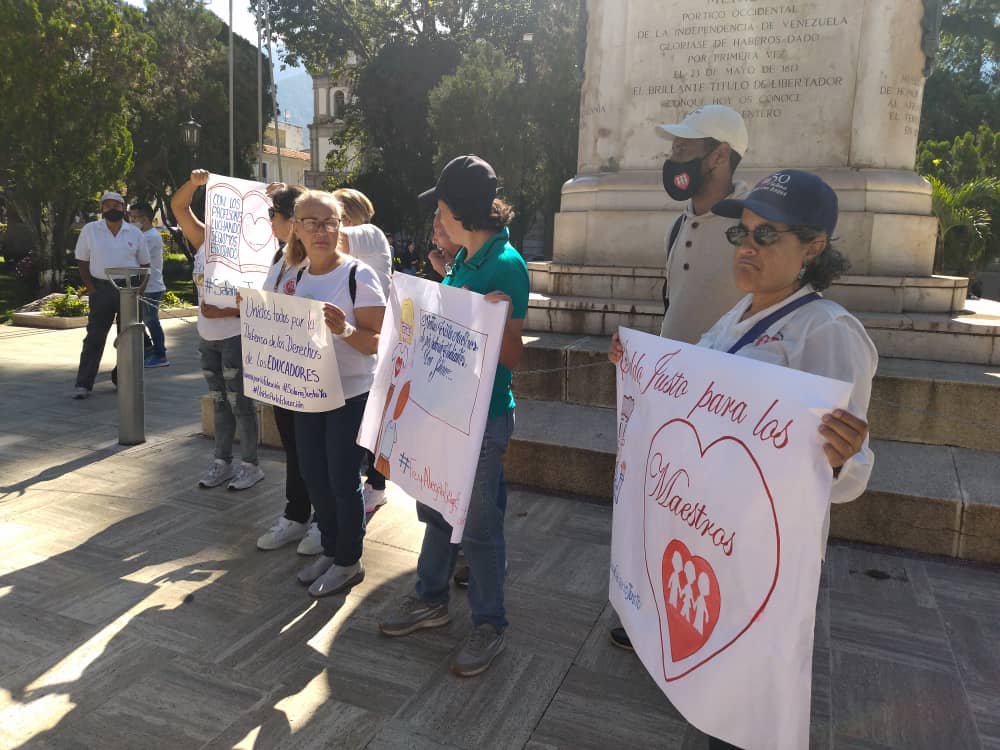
[
  {"x": 314, "y": 225},
  {"x": 763, "y": 234}
]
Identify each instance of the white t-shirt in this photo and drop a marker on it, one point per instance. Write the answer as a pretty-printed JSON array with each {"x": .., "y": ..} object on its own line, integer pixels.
[
  {"x": 154, "y": 247},
  {"x": 357, "y": 370},
  {"x": 699, "y": 271},
  {"x": 820, "y": 337},
  {"x": 282, "y": 279},
  {"x": 211, "y": 329},
  {"x": 104, "y": 250},
  {"x": 368, "y": 244}
]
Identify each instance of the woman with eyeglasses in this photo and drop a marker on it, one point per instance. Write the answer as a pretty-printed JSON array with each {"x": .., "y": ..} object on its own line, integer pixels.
[
  {"x": 293, "y": 525},
  {"x": 329, "y": 456},
  {"x": 783, "y": 260}
]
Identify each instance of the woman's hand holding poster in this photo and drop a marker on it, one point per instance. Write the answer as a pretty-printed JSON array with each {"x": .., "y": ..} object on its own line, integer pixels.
[
  {"x": 239, "y": 244},
  {"x": 288, "y": 355},
  {"x": 427, "y": 409},
  {"x": 721, "y": 493}
]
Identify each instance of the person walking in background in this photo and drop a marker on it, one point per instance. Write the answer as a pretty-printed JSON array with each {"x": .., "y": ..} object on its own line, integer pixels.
[
  {"x": 293, "y": 525},
  {"x": 141, "y": 215},
  {"x": 109, "y": 242},
  {"x": 329, "y": 455},
  {"x": 221, "y": 351}
]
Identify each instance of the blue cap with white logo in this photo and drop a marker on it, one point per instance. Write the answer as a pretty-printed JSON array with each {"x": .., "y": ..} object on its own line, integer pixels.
[{"x": 791, "y": 197}]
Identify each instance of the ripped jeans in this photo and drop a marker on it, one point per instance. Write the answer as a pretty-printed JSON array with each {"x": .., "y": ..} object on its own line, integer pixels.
[{"x": 222, "y": 366}]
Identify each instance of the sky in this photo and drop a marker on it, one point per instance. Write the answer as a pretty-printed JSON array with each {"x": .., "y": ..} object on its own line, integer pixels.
[{"x": 243, "y": 21}]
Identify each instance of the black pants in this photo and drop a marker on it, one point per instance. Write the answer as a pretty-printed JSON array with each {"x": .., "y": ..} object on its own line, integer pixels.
[
  {"x": 103, "y": 309},
  {"x": 297, "y": 507},
  {"x": 717, "y": 744},
  {"x": 373, "y": 476}
]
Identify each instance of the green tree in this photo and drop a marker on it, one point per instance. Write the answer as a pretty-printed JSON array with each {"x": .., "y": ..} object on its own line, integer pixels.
[
  {"x": 963, "y": 91},
  {"x": 190, "y": 55},
  {"x": 964, "y": 222},
  {"x": 67, "y": 70}
]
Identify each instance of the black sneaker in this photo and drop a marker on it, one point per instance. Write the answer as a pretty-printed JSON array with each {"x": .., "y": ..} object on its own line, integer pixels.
[
  {"x": 461, "y": 577},
  {"x": 620, "y": 639},
  {"x": 483, "y": 645}
]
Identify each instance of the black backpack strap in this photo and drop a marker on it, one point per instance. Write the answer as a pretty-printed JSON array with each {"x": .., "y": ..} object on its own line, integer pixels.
[
  {"x": 352, "y": 282},
  {"x": 674, "y": 231}
]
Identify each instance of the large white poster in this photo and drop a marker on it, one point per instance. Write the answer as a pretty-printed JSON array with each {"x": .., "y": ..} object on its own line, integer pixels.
[
  {"x": 720, "y": 496},
  {"x": 427, "y": 409},
  {"x": 288, "y": 354},
  {"x": 239, "y": 245}
]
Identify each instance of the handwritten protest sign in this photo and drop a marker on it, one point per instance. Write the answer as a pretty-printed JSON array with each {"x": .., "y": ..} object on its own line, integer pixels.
[
  {"x": 288, "y": 357},
  {"x": 239, "y": 245},
  {"x": 427, "y": 409},
  {"x": 721, "y": 490}
]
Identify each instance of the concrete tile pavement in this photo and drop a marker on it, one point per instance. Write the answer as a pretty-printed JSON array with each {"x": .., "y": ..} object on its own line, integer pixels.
[{"x": 136, "y": 612}]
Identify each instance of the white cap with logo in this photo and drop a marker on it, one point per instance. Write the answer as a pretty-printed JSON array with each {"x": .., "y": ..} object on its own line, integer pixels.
[
  {"x": 112, "y": 196},
  {"x": 711, "y": 121}
]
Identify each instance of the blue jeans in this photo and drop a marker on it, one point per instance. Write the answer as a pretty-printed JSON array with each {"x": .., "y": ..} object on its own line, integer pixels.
[
  {"x": 482, "y": 541},
  {"x": 149, "y": 309},
  {"x": 222, "y": 366},
  {"x": 330, "y": 462}
]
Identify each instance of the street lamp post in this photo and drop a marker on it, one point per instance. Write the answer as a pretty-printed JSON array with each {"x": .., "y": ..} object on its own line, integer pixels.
[{"x": 191, "y": 138}]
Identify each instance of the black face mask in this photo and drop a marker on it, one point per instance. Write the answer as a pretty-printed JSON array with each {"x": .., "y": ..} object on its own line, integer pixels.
[
  {"x": 114, "y": 215},
  {"x": 683, "y": 179}
]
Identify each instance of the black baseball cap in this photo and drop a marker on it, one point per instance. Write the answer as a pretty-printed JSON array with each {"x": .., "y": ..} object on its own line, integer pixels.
[
  {"x": 467, "y": 184},
  {"x": 791, "y": 197}
]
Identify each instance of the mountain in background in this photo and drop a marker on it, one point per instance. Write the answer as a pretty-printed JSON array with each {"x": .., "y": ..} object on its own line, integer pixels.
[{"x": 295, "y": 95}]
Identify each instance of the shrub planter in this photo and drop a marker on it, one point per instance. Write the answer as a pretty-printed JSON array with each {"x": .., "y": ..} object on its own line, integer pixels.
[{"x": 31, "y": 315}]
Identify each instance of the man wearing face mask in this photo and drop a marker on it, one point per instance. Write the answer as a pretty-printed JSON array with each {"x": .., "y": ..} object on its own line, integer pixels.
[
  {"x": 106, "y": 243},
  {"x": 699, "y": 288},
  {"x": 707, "y": 147}
]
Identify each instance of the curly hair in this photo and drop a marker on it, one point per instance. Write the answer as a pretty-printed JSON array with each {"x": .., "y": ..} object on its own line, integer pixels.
[{"x": 826, "y": 267}]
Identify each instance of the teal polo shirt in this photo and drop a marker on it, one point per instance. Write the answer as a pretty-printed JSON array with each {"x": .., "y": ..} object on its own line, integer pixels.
[{"x": 497, "y": 267}]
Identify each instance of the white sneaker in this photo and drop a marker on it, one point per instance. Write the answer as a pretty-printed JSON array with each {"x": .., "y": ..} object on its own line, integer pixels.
[
  {"x": 246, "y": 477},
  {"x": 374, "y": 499},
  {"x": 315, "y": 569},
  {"x": 283, "y": 532},
  {"x": 337, "y": 578},
  {"x": 312, "y": 542},
  {"x": 217, "y": 473},
  {"x": 80, "y": 393}
]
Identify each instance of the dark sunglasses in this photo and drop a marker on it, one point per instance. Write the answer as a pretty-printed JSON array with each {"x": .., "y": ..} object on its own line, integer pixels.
[
  {"x": 763, "y": 234},
  {"x": 272, "y": 212}
]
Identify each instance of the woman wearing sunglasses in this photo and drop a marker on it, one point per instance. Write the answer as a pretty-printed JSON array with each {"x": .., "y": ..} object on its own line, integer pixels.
[
  {"x": 329, "y": 456},
  {"x": 783, "y": 260}
]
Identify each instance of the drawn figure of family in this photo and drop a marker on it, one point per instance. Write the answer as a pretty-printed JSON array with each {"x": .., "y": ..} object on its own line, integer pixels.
[
  {"x": 694, "y": 609},
  {"x": 628, "y": 404},
  {"x": 619, "y": 480},
  {"x": 402, "y": 355}
]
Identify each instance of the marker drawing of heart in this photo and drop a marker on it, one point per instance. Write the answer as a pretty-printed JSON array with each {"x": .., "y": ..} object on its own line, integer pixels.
[
  {"x": 711, "y": 543},
  {"x": 256, "y": 228}
]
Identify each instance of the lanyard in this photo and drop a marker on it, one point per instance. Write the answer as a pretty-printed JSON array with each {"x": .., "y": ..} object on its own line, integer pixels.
[
  {"x": 298, "y": 276},
  {"x": 764, "y": 323}
]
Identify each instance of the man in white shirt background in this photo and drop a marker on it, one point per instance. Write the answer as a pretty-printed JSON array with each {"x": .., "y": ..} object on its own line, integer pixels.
[
  {"x": 141, "y": 216},
  {"x": 109, "y": 242}
]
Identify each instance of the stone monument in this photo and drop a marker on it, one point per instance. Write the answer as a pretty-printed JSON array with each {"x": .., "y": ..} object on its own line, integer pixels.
[{"x": 834, "y": 87}]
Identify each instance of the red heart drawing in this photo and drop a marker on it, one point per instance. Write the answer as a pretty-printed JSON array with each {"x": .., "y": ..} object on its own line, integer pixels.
[
  {"x": 256, "y": 227},
  {"x": 692, "y": 599},
  {"x": 682, "y": 180},
  {"x": 685, "y": 512}
]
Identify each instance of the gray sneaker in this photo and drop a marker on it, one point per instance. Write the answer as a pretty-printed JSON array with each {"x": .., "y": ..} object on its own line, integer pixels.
[
  {"x": 414, "y": 614},
  {"x": 217, "y": 473},
  {"x": 484, "y": 644},
  {"x": 247, "y": 476},
  {"x": 337, "y": 578}
]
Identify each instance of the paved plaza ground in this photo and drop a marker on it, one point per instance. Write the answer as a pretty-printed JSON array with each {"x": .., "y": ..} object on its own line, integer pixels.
[{"x": 135, "y": 611}]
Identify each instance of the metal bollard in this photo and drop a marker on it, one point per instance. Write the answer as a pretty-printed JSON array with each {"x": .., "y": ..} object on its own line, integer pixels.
[{"x": 131, "y": 405}]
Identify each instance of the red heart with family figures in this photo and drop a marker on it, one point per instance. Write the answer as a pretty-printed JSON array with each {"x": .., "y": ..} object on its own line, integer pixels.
[
  {"x": 711, "y": 542},
  {"x": 682, "y": 180},
  {"x": 692, "y": 599}
]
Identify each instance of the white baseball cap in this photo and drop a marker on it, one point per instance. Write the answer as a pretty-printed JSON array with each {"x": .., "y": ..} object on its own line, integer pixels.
[
  {"x": 711, "y": 121},
  {"x": 112, "y": 196}
]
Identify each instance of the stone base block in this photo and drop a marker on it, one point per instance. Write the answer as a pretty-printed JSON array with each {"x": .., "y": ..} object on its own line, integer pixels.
[{"x": 268, "y": 430}]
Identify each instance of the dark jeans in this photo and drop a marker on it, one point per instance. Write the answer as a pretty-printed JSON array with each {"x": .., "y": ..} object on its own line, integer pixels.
[
  {"x": 373, "y": 476},
  {"x": 717, "y": 744},
  {"x": 297, "y": 507},
  {"x": 149, "y": 309},
  {"x": 103, "y": 309},
  {"x": 222, "y": 366},
  {"x": 330, "y": 462}
]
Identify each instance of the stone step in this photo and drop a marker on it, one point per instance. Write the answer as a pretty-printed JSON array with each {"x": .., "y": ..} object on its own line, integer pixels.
[
  {"x": 884, "y": 294},
  {"x": 916, "y": 401},
  {"x": 934, "y": 499},
  {"x": 971, "y": 336}
]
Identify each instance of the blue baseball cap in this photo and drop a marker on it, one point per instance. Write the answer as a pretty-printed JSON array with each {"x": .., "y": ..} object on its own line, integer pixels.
[{"x": 790, "y": 196}]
